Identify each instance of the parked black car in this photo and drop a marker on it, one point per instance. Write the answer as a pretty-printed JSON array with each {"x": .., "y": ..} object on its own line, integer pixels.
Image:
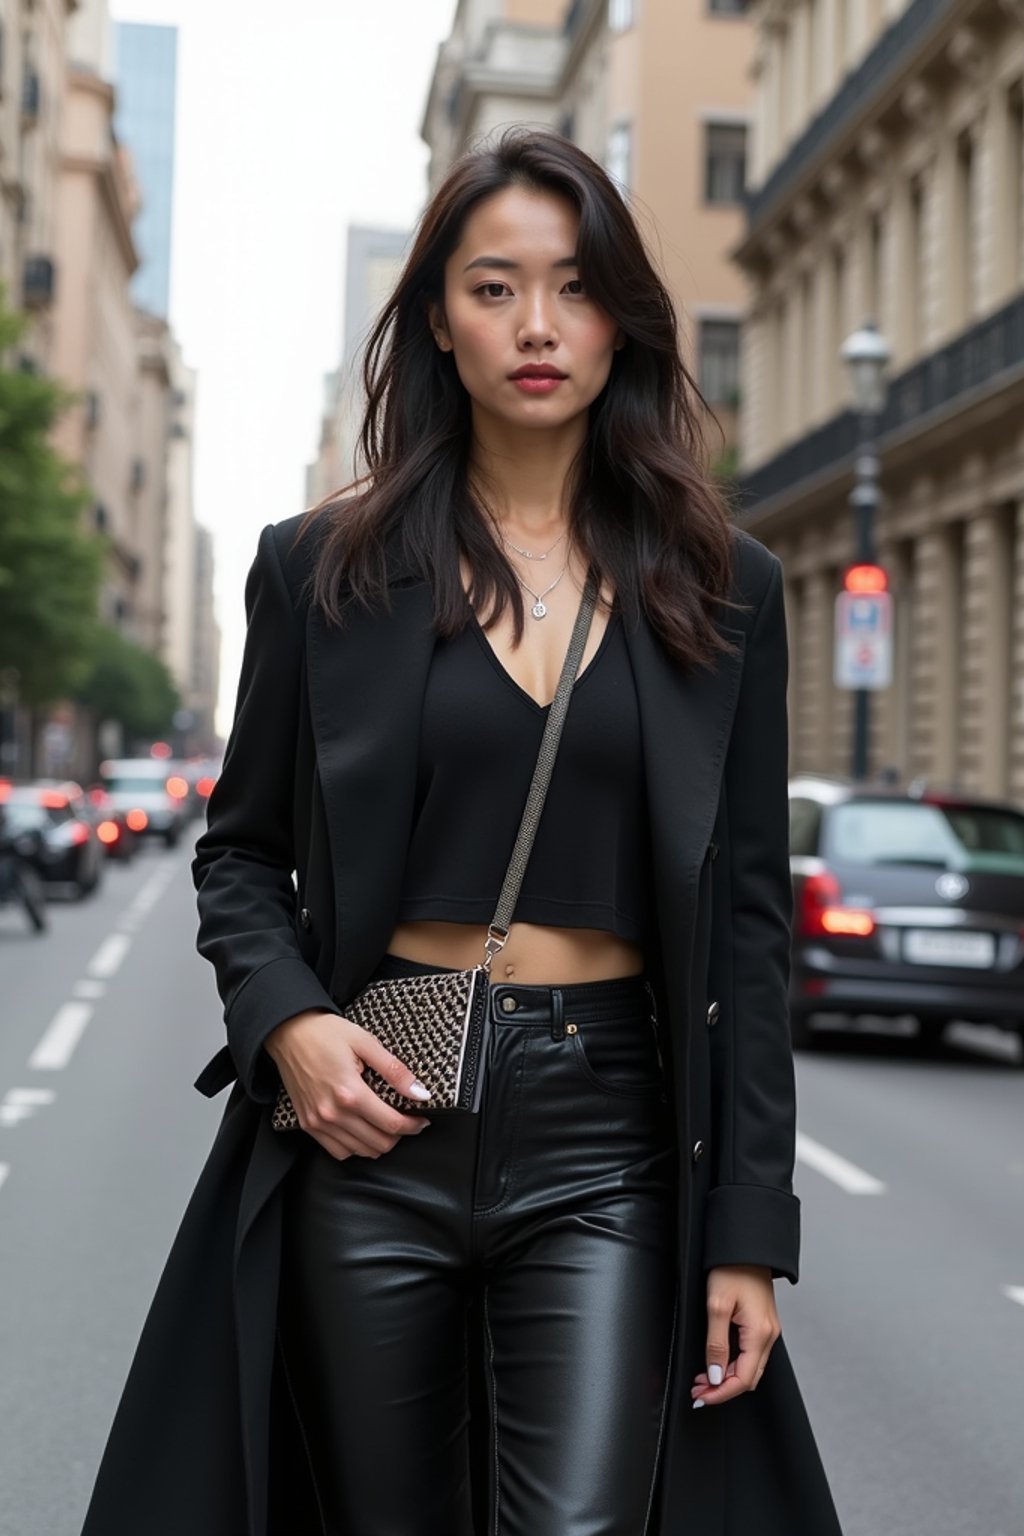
[
  {"x": 65, "y": 850},
  {"x": 906, "y": 901}
]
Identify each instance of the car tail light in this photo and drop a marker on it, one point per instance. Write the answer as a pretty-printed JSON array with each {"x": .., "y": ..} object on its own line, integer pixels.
[
  {"x": 108, "y": 831},
  {"x": 53, "y": 800},
  {"x": 137, "y": 820},
  {"x": 204, "y": 786},
  {"x": 79, "y": 833},
  {"x": 823, "y": 914},
  {"x": 177, "y": 787}
]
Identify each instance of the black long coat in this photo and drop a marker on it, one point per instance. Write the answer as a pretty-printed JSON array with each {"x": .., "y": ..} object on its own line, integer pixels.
[{"x": 318, "y": 778}]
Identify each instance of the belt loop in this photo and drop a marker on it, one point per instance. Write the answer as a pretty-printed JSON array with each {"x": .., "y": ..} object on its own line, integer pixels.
[{"x": 557, "y": 1012}]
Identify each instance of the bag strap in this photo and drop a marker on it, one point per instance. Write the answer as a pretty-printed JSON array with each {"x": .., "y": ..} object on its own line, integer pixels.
[{"x": 497, "y": 931}]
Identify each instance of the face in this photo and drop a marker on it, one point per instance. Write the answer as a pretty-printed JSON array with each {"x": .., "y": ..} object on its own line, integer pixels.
[{"x": 514, "y": 300}]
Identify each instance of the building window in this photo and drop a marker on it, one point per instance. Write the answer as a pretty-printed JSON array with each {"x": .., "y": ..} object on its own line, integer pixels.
[
  {"x": 725, "y": 160},
  {"x": 621, "y": 15},
  {"x": 619, "y": 160},
  {"x": 719, "y": 342},
  {"x": 728, "y": 7}
]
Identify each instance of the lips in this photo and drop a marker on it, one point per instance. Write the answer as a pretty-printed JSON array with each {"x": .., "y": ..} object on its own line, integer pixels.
[{"x": 537, "y": 371}]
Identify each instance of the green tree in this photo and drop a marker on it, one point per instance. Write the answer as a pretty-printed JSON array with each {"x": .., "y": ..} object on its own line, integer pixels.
[
  {"x": 50, "y": 567},
  {"x": 127, "y": 683}
]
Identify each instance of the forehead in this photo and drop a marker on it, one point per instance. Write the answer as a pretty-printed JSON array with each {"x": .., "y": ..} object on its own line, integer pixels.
[{"x": 520, "y": 223}]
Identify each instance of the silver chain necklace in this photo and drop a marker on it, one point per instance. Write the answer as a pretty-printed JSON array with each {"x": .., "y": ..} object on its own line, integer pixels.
[
  {"x": 529, "y": 554},
  {"x": 539, "y": 608}
]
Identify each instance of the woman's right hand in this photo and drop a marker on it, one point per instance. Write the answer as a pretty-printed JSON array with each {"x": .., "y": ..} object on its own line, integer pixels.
[{"x": 321, "y": 1057}]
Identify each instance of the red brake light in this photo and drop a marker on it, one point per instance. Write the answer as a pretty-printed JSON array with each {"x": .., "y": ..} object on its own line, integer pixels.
[
  {"x": 137, "y": 820},
  {"x": 53, "y": 800},
  {"x": 205, "y": 785},
  {"x": 177, "y": 787},
  {"x": 821, "y": 911},
  {"x": 108, "y": 831},
  {"x": 79, "y": 833}
]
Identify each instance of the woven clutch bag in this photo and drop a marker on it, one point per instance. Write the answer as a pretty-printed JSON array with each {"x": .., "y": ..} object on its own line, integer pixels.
[{"x": 437, "y": 1023}]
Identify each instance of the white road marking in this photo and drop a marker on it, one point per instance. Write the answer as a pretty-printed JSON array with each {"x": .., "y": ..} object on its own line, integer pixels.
[
  {"x": 5, "y": 1169},
  {"x": 56, "y": 1048},
  {"x": 108, "y": 957},
  {"x": 21, "y": 1104},
  {"x": 846, "y": 1174},
  {"x": 1015, "y": 1293},
  {"x": 87, "y": 988}
]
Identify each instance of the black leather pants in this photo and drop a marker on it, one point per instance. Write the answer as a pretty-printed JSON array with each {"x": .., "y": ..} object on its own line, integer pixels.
[{"x": 555, "y": 1205}]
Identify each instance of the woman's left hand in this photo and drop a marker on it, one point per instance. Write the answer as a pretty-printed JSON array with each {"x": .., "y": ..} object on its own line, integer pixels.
[{"x": 743, "y": 1294}]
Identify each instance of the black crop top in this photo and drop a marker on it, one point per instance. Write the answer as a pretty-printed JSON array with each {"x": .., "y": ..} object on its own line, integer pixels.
[{"x": 480, "y": 734}]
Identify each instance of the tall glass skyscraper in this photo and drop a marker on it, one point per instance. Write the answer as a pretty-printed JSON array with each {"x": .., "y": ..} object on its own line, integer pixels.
[{"x": 145, "y": 76}]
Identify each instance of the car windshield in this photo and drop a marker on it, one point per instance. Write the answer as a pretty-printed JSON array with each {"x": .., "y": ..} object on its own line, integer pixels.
[
  {"x": 908, "y": 832},
  {"x": 139, "y": 785}
]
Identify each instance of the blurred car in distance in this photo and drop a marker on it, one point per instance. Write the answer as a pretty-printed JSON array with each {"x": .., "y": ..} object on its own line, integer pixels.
[
  {"x": 201, "y": 774},
  {"x": 905, "y": 901},
  {"x": 152, "y": 793},
  {"x": 119, "y": 839},
  {"x": 48, "y": 818}
]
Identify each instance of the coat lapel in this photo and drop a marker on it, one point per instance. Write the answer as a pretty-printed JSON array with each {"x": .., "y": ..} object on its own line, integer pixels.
[{"x": 366, "y": 686}]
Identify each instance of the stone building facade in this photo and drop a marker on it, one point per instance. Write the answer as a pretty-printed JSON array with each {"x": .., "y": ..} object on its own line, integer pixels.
[{"x": 888, "y": 183}]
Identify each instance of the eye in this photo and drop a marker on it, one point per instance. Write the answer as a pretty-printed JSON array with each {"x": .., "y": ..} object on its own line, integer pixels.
[
  {"x": 494, "y": 284},
  {"x": 579, "y": 284}
]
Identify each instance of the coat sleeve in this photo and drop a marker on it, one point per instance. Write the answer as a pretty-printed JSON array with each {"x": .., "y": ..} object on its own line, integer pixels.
[
  {"x": 753, "y": 1217},
  {"x": 243, "y": 863}
]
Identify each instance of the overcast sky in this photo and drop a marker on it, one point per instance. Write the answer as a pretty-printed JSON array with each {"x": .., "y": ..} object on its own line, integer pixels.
[{"x": 294, "y": 120}]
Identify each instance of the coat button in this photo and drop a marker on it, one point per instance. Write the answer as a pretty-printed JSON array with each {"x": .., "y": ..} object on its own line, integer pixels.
[
  {"x": 712, "y": 1014},
  {"x": 509, "y": 1004},
  {"x": 305, "y": 918},
  {"x": 698, "y": 1150}
]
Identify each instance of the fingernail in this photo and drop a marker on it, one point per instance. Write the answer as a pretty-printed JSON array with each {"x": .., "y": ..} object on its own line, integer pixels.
[
  {"x": 715, "y": 1375},
  {"x": 699, "y": 1402},
  {"x": 417, "y": 1090},
  {"x": 423, "y": 1125}
]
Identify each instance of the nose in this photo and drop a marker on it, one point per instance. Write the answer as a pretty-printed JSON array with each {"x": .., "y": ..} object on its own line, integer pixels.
[{"x": 537, "y": 326}]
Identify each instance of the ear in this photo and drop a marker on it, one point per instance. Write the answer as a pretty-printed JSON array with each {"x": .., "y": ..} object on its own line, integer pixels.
[
  {"x": 439, "y": 326},
  {"x": 620, "y": 339}
]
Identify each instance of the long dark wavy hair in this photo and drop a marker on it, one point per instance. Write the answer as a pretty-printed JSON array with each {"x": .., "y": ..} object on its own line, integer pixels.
[{"x": 642, "y": 505}]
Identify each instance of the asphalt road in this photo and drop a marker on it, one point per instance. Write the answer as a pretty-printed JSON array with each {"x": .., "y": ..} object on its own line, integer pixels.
[{"x": 906, "y": 1329}]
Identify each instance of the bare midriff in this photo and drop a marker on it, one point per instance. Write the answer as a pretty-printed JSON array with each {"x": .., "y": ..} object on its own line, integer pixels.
[{"x": 533, "y": 952}]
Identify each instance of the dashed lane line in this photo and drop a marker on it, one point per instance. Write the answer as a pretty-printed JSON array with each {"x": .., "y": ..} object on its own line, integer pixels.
[
  {"x": 57, "y": 1046},
  {"x": 854, "y": 1180},
  {"x": 1015, "y": 1293},
  {"x": 108, "y": 957}
]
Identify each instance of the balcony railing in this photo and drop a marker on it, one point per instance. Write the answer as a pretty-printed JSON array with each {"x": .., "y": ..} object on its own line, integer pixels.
[
  {"x": 974, "y": 360},
  {"x": 897, "y": 46}
]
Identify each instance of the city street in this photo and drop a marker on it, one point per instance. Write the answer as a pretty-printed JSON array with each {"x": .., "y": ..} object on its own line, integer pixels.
[{"x": 906, "y": 1330}]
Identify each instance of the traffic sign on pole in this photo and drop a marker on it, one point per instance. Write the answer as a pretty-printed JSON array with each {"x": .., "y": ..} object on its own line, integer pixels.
[{"x": 863, "y": 648}]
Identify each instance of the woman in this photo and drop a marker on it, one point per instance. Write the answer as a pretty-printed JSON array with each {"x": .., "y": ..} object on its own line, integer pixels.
[{"x": 498, "y": 1327}]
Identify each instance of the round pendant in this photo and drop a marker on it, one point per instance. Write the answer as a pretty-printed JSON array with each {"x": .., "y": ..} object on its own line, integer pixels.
[{"x": 538, "y": 610}]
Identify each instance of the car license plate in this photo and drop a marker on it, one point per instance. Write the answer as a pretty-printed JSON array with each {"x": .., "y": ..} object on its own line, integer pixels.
[{"x": 940, "y": 946}]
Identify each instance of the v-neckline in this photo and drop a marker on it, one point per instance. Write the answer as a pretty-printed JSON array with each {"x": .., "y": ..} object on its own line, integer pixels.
[{"x": 503, "y": 671}]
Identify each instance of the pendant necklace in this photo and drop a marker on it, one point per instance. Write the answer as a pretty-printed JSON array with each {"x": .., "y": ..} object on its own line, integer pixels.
[{"x": 539, "y": 608}]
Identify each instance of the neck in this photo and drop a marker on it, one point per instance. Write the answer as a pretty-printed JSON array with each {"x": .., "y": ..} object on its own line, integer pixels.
[{"x": 525, "y": 474}]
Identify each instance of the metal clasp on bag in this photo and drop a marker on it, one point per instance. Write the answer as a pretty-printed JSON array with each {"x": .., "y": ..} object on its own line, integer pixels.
[{"x": 494, "y": 945}]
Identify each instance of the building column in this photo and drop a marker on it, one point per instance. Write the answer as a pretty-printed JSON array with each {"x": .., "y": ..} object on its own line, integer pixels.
[
  {"x": 812, "y": 733},
  {"x": 1015, "y": 695},
  {"x": 935, "y": 664},
  {"x": 988, "y": 582}
]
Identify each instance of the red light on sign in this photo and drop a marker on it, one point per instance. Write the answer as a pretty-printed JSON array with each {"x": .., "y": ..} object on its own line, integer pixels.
[
  {"x": 160, "y": 749},
  {"x": 865, "y": 578}
]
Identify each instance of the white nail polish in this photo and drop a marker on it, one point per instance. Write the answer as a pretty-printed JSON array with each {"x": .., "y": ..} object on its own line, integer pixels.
[
  {"x": 417, "y": 1091},
  {"x": 715, "y": 1374},
  {"x": 699, "y": 1402}
]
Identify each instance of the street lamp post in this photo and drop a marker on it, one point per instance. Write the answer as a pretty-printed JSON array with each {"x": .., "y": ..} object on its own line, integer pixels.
[{"x": 866, "y": 355}]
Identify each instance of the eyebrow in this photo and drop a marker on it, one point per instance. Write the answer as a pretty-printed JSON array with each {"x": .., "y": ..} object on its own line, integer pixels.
[{"x": 513, "y": 266}]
